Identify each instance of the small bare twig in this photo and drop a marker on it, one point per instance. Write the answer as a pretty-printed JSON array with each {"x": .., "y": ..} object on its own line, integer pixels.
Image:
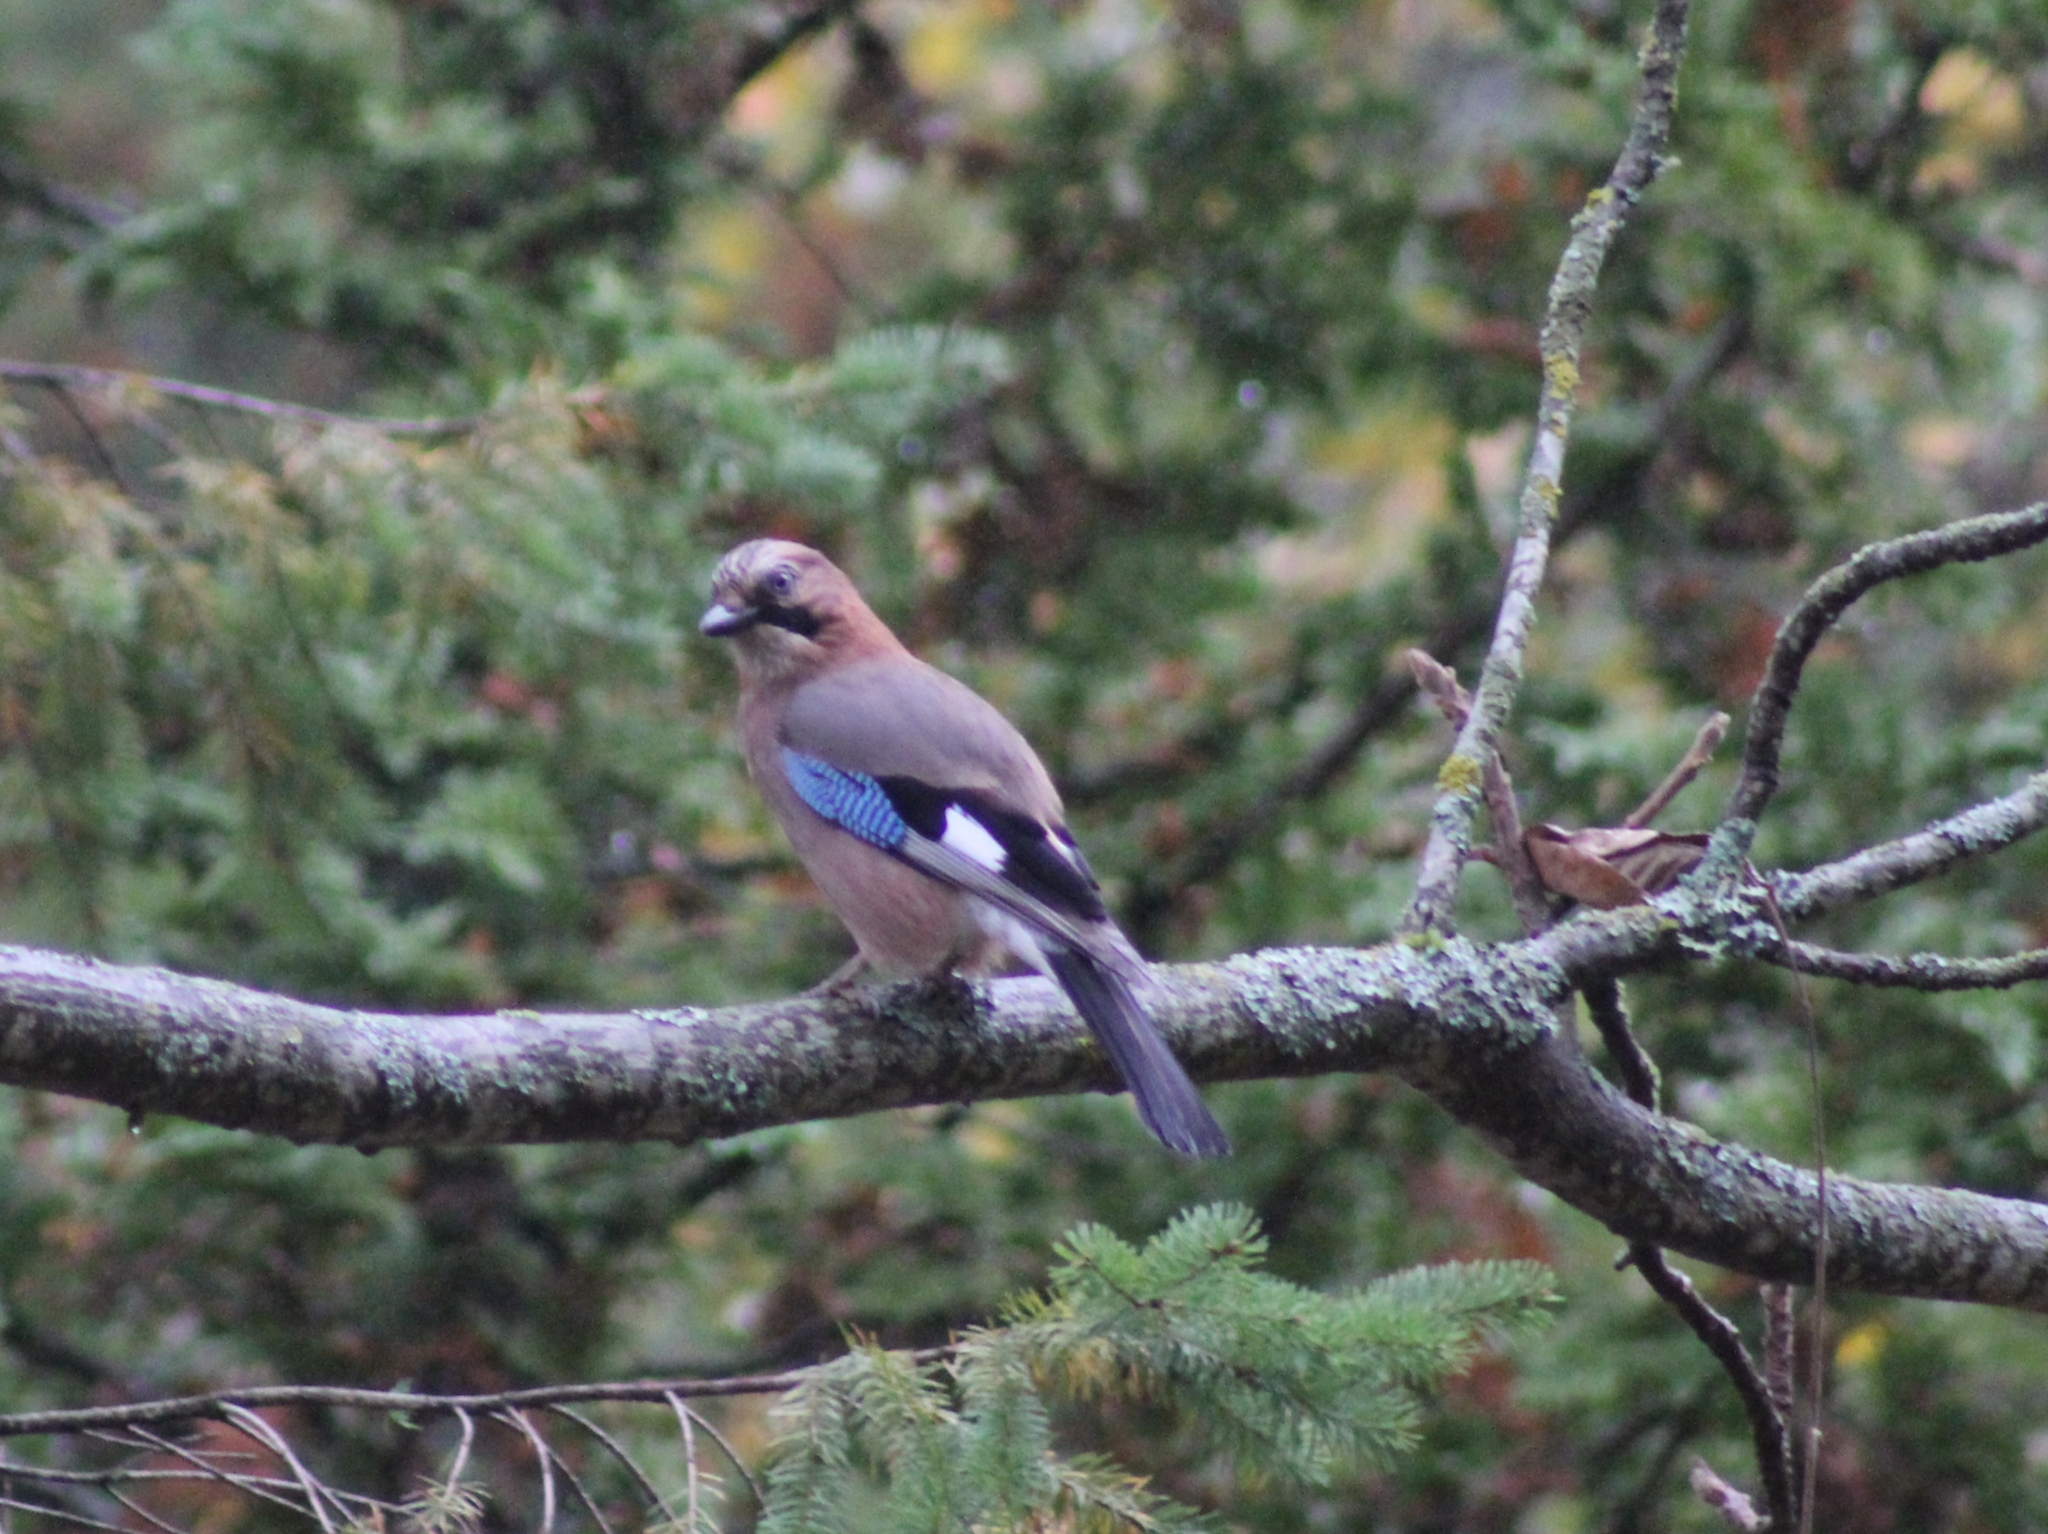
[
  {"x": 461, "y": 1461},
  {"x": 1440, "y": 684},
  {"x": 190, "y": 1408},
  {"x": 64, "y": 1514},
  {"x": 546, "y": 1460},
  {"x": 1781, "y": 1344},
  {"x": 1965, "y": 542},
  {"x": 138, "y": 1510},
  {"x": 269, "y": 1488},
  {"x": 1816, "y": 1375},
  {"x": 1759, "y": 1403},
  {"x": 689, "y": 1470},
  {"x": 725, "y": 1448},
  {"x": 618, "y": 1452},
  {"x": 1705, "y": 742},
  {"x": 1734, "y": 1507},
  {"x": 65, "y": 380},
  {"x": 1766, "y": 1425},
  {"x": 315, "y": 1493}
]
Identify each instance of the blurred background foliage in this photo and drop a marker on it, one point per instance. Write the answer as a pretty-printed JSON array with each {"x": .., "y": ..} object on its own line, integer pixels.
[{"x": 1163, "y": 367}]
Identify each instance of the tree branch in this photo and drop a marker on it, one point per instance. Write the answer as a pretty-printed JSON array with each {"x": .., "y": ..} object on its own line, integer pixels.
[
  {"x": 1976, "y": 832},
  {"x": 67, "y": 379},
  {"x": 1965, "y": 542},
  {"x": 1471, "y": 1027},
  {"x": 1915, "y": 971},
  {"x": 1568, "y": 313}
]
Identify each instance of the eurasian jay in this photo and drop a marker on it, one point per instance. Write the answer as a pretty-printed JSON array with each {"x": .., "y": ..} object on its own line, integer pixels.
[{"x": 928, "y": 822}]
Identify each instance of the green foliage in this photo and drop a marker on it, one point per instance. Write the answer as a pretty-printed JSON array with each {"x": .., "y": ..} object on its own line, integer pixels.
[
  {"x": 1285, "y": 1381},
  {"x": 1163, "y": 370}
]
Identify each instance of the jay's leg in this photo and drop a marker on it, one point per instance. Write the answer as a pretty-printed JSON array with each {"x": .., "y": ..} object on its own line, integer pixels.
[{"x": 842, "y": 979}]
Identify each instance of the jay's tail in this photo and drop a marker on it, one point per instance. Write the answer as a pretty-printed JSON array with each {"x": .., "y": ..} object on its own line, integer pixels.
[{"x": 1167, "y": 1100}]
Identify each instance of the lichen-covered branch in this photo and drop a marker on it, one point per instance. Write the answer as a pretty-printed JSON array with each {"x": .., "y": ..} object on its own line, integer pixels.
[
  {"x": 1965, "y": 542},
  {"x": 1976, "y": 832},
  {"x": 1470, "y": 1026},
  {"x": 1566, "y": 317},
  {"x": 1912, "y": 971}
]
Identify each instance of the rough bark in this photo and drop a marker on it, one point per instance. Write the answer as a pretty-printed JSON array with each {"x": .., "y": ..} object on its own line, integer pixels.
[{"x": 1469, "y": 1025}]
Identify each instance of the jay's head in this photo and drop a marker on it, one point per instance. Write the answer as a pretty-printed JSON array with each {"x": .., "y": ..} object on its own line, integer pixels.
[{"x": 787, "y": 608}]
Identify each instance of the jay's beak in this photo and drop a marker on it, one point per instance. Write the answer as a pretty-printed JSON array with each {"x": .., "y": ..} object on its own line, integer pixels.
[{"x": 722, "y": 622}]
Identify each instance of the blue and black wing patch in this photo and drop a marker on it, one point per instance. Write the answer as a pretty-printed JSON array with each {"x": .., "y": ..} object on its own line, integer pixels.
[
  {"x": 853, "y": 801},
  {"x": 1038, "y": 862},
  {"x": 1035, "y": 873}
]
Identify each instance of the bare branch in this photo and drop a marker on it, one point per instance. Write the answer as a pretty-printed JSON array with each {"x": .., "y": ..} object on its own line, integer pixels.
[
  {"x": 1564, "y": 331},
  {"x": 1705, "y": 742},
  {"x": 1735, "y": 1508},
  {"x": 685, "y": 1416},
  {"x": 1638, "y": 1071},
  {"x": 1913, "y": 971},
  {"x": 547, "y": 1467},
  {"x": 67, "y": 379},
  {"x": 1772, "y": 1443},
  {"x": 1766, "y": 1426},
  {"x": 313, "y": 1491},
  {"x": 1976, "y": 832},
  {"x": 136, "y": 1416},
  {"x": 1965, "y": 542},
  {"x": 1525, "y": 886},
  {"x": 618, "y": 1452}
]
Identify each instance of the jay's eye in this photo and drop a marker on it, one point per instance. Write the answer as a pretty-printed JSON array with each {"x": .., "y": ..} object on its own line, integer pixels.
[{"x": 780, "y": 582}]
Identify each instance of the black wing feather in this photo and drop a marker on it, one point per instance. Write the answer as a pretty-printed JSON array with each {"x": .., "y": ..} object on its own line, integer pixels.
[
  {"x": 1052, "y": 888},
  {"x": 1167, "y": 1100}
]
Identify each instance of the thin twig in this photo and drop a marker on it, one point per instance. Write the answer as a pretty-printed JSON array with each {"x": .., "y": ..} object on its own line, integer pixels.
[
  {"x": 1975, "y": 832},
  {"x": 1705, "y": 742},
  {"x": 576, "y": 1485},
  {"x": 64, "y": 378},
  {"x": 1564, "y": 329},
  {"x": 462, "y": 1449},
  {"x": 1912, "y": 971},
  {"x": 547, "y": 1467},
  {"x": 1638, "y": 1071},
  {"x": 1781, "y": 1344},
  {"x": 1965, "y": 542},
  {"x": 1816, "y": 1378},
  {"x": 189, "y": 1408},
  {"x": 83, "y": 1520},
  {"x": 689, "y": 1471},
  {"x": 1718, "y": 1333},
  {"x": 271, "y": 1439},
  {"x": 618, "y": 1452},
  {"x": 264, "y": 1487},
  {"x": 726, "y": 1448},
  {"x": 1440, "y": 684},
  {"x": 142, "y": 1512}
]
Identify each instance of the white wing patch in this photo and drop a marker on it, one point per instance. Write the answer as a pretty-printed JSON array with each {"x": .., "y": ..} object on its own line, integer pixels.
[{"x": 970, "y": 838}]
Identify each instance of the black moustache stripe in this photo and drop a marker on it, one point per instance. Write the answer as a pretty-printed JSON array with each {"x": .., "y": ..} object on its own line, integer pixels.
[{"x": 800, "y": 621}]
